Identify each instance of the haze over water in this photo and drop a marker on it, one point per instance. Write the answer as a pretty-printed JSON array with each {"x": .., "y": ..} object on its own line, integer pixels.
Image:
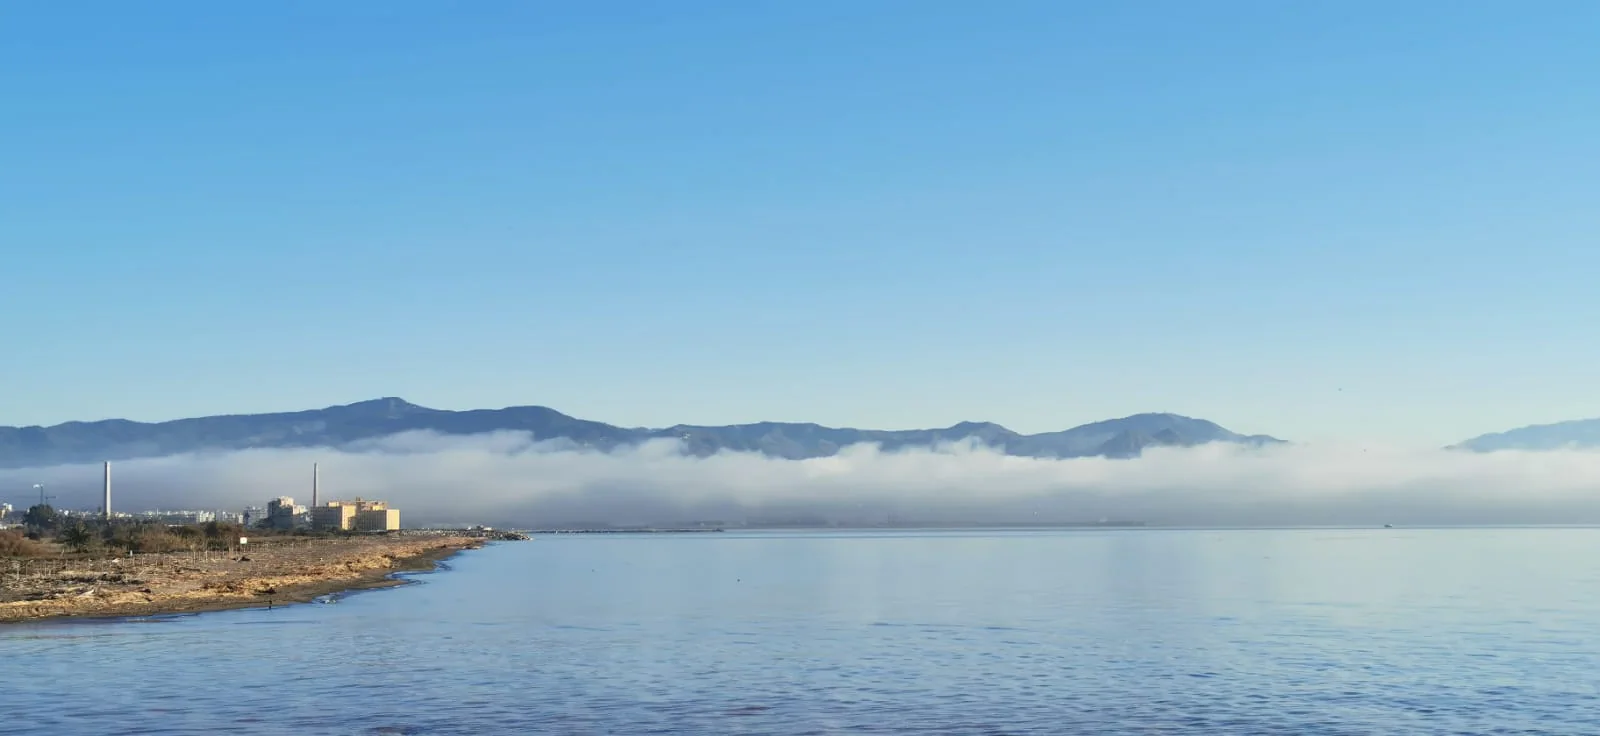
[{"x": 1127, "y": 631}]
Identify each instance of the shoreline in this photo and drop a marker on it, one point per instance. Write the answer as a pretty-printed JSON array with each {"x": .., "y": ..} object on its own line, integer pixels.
[{"x": 295, "y": 574}]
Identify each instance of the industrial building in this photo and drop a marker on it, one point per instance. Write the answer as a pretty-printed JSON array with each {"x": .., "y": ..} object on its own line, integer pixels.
[
  {"x": 359, "y": 515},
  {"x": 378, "y": 520},
  {"x": 334, "y": 516}
]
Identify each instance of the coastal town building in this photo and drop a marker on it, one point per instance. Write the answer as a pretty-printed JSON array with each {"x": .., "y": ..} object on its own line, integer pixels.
[
  {"x": 185, "y": 516},
  {"x": 281, "y": 513}
]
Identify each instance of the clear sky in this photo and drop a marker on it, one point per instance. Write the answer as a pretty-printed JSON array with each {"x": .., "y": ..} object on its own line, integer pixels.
[{"x": 1367, "y": 221}]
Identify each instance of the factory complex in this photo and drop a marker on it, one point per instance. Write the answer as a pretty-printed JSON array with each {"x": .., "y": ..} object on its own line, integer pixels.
[
  {"x": 281, "y": 513},
  {"x": 360, "y": 515}
]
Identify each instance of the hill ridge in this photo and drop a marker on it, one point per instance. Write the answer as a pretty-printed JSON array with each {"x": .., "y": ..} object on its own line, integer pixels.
[{"x": 343, "y": 424}]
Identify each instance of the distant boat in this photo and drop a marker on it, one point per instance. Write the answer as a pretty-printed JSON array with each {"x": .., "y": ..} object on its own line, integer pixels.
[{"x": 1388, "y": 526}]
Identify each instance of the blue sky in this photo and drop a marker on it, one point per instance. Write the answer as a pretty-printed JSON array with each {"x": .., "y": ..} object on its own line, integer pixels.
[{"x": 1337, "y": 221}]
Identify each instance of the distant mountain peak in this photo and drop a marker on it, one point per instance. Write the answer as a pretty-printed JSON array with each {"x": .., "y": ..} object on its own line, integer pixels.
[
  {"x": 390, "y": 406},
  {"x": 387, "y": 402},
  {"x": 977, "y": 425}
]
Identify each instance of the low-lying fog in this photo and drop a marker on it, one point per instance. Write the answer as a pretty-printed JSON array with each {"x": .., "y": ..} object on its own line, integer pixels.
[{"x": 507, "y": 479}]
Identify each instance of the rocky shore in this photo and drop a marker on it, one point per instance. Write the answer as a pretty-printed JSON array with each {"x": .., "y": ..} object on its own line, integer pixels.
[{"x": 270, "y": 572}]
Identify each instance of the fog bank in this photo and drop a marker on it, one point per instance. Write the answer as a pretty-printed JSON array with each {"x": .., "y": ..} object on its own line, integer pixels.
[{"x": 508, "y": 479}]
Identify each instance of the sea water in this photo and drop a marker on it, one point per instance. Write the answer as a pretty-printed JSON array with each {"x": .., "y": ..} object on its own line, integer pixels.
[{"x": 1304, "y": 631}]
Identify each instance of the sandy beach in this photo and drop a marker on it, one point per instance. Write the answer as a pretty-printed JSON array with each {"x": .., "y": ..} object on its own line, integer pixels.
[{"x": 276, "y": 571}]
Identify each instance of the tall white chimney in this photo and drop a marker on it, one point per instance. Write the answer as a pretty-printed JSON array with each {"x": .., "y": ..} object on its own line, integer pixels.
[
  {"x": 315, "y": 478},
  {"x": 107, "y": 505}
]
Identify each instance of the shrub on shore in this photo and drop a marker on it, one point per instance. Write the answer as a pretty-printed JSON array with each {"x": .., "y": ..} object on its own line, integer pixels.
[
  {"x": 146, "y": 538},
  {"x": 16, "y": 544},
  {"x": 78, "y": 537},
  {"x": 150, "y": 537},
  {"x": 96, "y": 537}
]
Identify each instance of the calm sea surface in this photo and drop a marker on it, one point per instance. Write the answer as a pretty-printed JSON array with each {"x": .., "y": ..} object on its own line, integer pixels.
[{"x": 1099, "y": 632}]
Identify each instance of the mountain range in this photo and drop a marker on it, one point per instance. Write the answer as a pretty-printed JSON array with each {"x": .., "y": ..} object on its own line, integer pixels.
[
  {"x": 121, "y": 439},
  {"x": 1576, "y": 434},
  {"x": 336, "y": 426}
]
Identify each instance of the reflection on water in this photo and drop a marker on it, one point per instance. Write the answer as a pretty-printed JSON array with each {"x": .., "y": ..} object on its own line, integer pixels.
[{"x": 1092, "y": 631}]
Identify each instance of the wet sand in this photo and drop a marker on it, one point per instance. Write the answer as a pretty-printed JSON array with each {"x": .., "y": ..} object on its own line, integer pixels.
[{"x": 272, "y": 573}]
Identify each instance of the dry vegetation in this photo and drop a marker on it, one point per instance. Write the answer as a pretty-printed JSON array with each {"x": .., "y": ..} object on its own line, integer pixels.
[{"x": 14, "y": 543}]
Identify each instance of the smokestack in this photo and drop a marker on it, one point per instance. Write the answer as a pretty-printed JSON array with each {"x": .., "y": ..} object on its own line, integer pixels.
[
  {"x": 315, "y": 477},
  {"x": 107, "y": 505}
]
